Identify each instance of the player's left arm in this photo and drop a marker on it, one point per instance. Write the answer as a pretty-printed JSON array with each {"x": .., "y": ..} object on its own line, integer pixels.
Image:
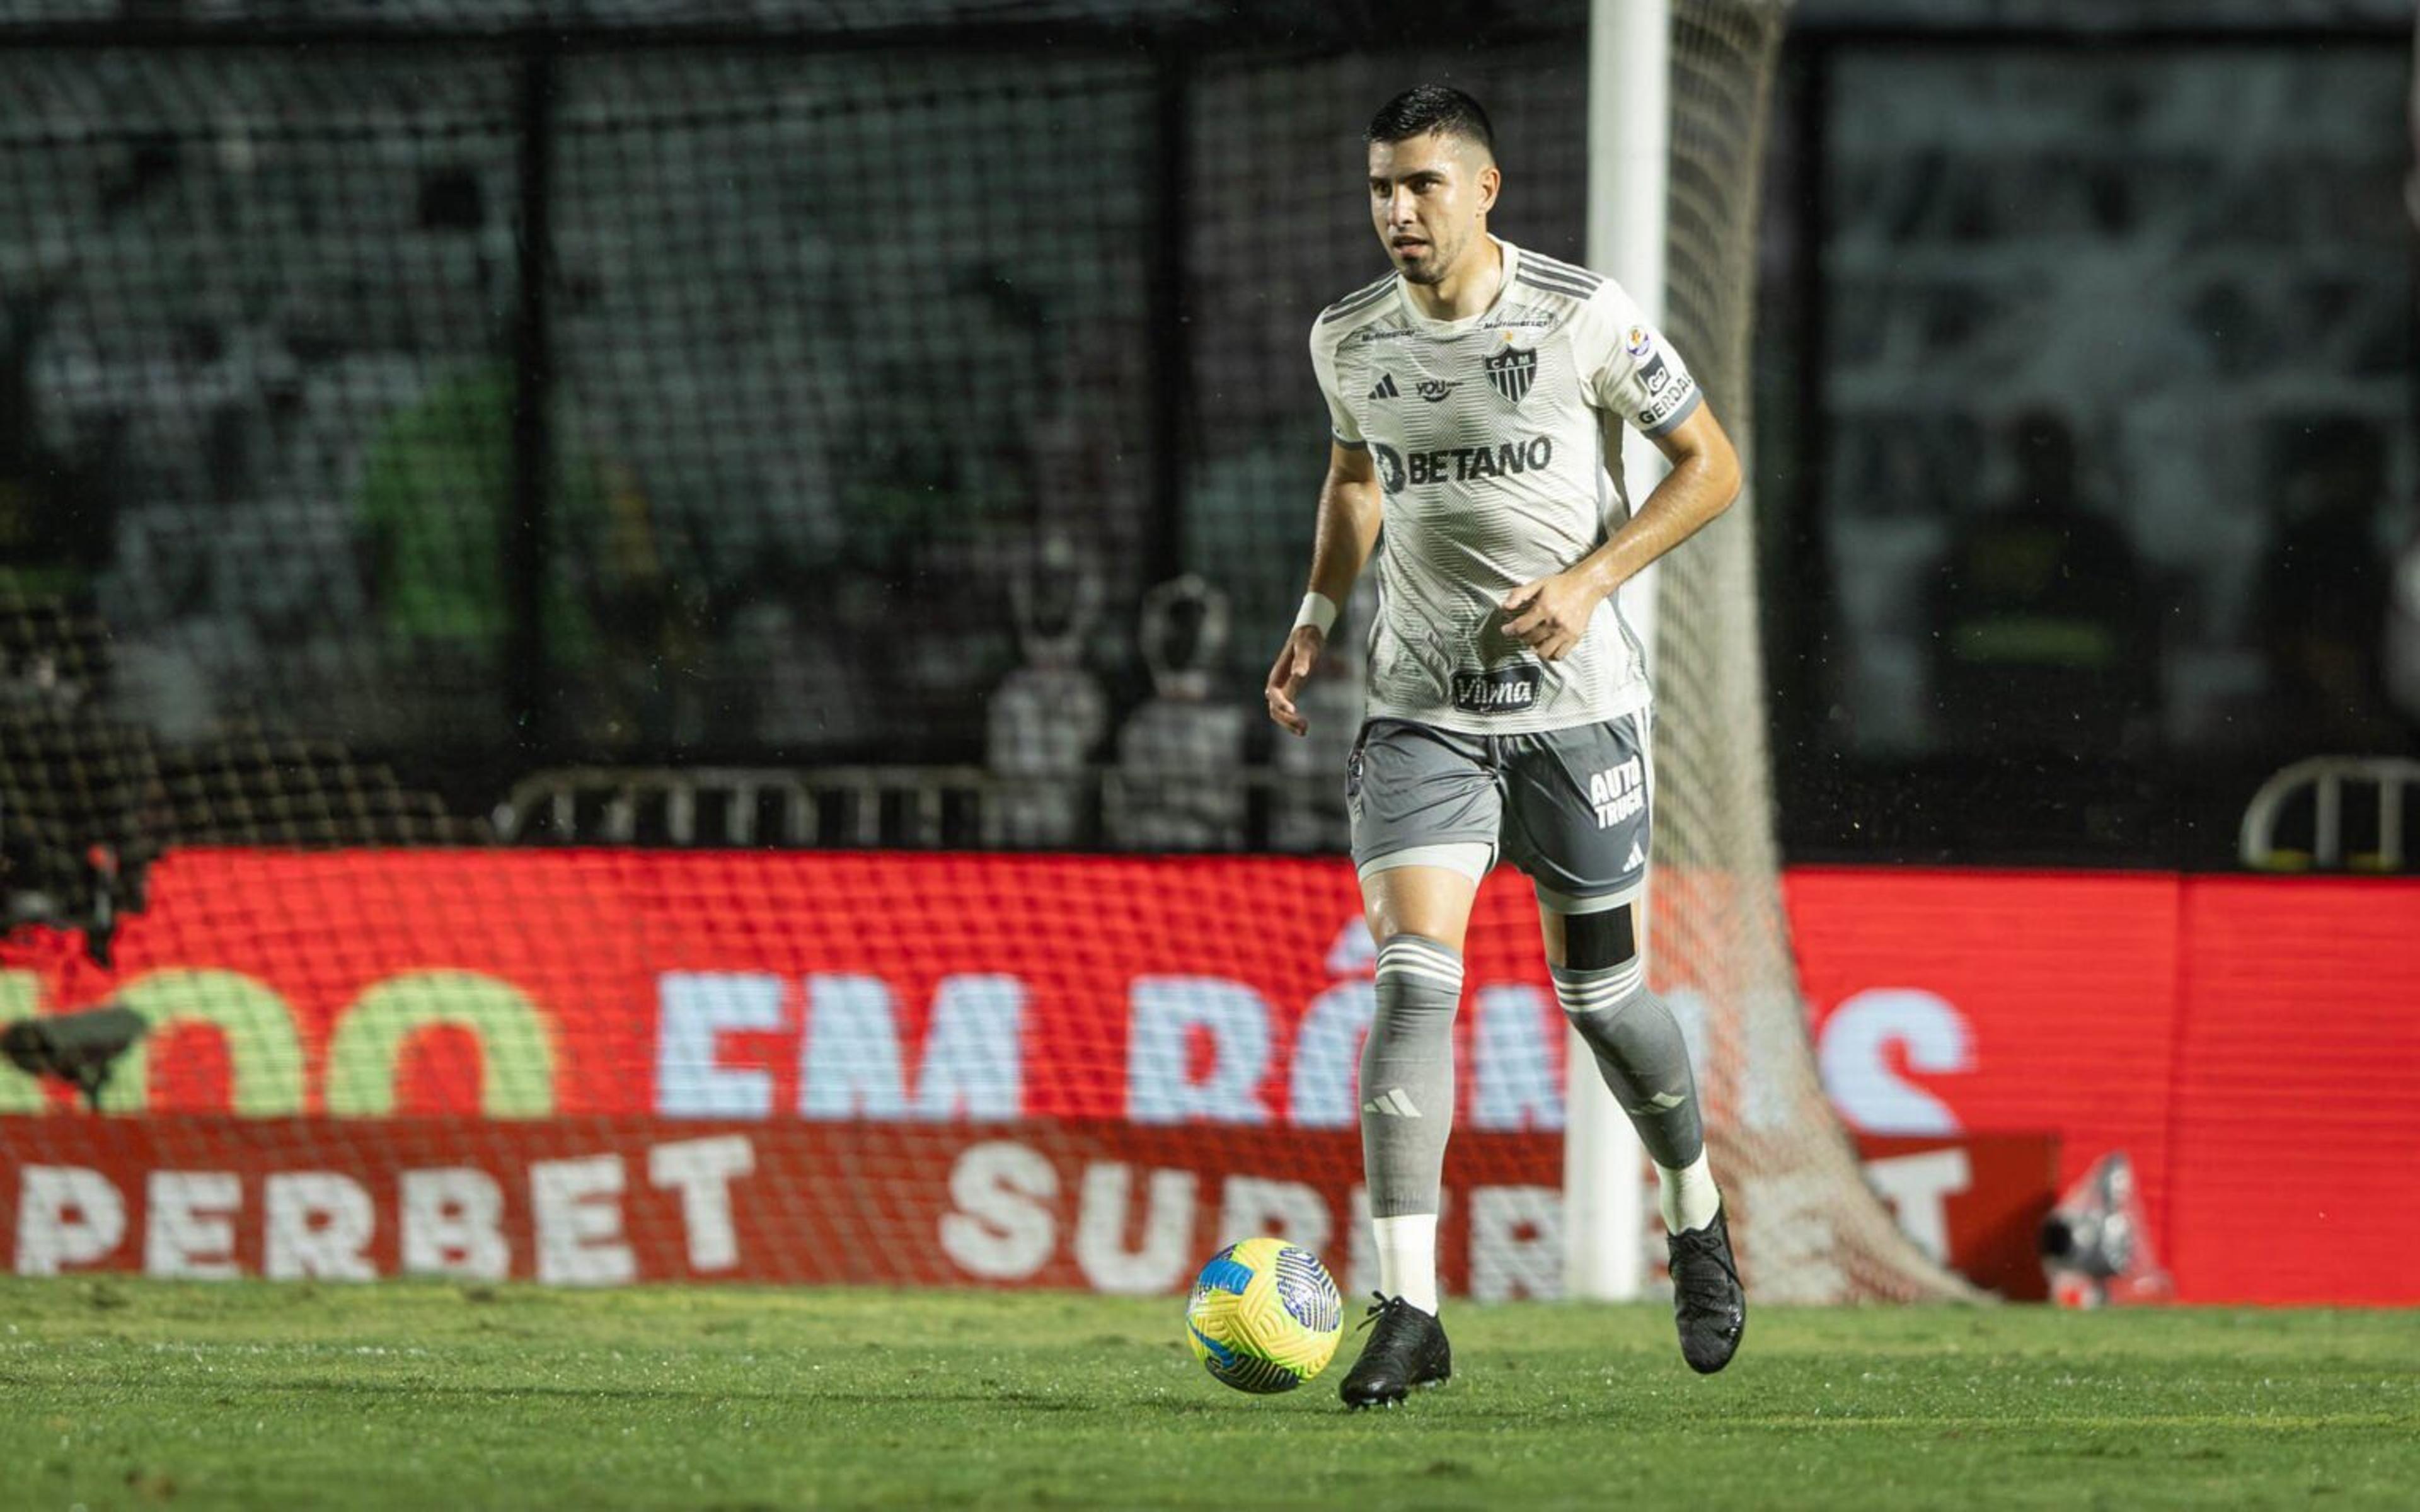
[{"x": 1550, "y": 614}]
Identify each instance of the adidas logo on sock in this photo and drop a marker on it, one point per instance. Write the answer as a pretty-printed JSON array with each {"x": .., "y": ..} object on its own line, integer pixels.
[
  {"x": 1392, "y": 1104},
  {"x": 1384, "y": 388},
  {"x": 1660, "y": 1102}
]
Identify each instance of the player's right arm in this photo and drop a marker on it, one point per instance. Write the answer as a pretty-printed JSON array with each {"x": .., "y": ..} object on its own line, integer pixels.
[
  {"x": 1348, "y": 518},
  {"x": 1348, "y": 532}
]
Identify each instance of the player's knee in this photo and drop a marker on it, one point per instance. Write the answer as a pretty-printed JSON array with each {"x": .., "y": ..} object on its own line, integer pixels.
[
  {"x": 1419, "y": 980},
  {"x": 1600, "y": 940}
]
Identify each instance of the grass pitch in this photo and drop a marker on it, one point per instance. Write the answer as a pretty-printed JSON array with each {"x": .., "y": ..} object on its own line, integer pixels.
[{"x": 130, "y": 1393}]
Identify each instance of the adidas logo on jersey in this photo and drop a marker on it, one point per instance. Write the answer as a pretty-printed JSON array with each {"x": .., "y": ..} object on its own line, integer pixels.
[
  {"x": 1391, "y": 1104},
  {"x": 1384, "y": 388}
]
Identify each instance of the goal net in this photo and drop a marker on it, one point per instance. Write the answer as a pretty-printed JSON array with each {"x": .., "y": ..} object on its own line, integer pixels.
[
  {"x": 387, "y": 417},
  {"x": 1814, "y": 1229}
]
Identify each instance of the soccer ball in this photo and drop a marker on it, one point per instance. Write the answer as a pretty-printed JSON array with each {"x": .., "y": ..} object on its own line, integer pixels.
[{"x": 1265, "y": 1316}]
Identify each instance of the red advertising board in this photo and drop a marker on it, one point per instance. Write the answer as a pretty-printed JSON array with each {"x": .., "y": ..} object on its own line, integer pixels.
[
  {"x": 1112, "y": 1207},
  {"x": 2000, "y": 1003},
  {"x": 403, "y": 1006},
  {"x": 1976, "y": 1201},
  {"x": 2253, "y": 1043}
]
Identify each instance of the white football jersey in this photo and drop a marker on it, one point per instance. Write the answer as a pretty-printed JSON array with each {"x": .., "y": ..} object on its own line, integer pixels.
[{"x": 1498, "y": 443}]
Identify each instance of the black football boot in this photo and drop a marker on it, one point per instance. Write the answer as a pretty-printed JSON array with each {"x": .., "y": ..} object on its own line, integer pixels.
[
  {"x": 1406, "y": 1348},
  {"x": 1709, "y": 1305}
]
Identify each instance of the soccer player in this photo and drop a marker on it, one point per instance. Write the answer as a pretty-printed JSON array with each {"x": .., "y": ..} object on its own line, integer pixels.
[{"x": 1477, "y": 397}]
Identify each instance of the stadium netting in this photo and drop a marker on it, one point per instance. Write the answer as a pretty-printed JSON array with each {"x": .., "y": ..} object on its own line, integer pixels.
[{"x": 483, "y": 388}]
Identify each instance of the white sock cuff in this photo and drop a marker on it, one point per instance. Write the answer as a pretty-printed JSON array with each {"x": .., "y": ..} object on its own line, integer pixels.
[
  {"x": 1407, "y": 1258},
  {"x": 1688, "y": 1197},
  {"x": 1584, "y": 992},
  {"x": 1419, "y": 957}
]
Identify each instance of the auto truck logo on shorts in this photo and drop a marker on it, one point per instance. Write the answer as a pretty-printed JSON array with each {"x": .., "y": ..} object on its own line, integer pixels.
[
  {"x": 1617, "y": 792},
  {"x": 1499, "y": 689}
]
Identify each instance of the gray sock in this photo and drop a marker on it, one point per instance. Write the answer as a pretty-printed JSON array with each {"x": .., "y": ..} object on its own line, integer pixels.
[
  {"x": 1640, "y": 1053},
  {"x": 1407, "y": 1075}
]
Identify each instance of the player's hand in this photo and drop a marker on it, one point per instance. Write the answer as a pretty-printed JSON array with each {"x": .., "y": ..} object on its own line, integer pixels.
[
  {"x": 1550, "y": 614},
  {"x": 1294, "y": 664}
]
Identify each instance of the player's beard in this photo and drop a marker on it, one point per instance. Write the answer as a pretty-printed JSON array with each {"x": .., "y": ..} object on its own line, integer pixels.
[{"x": 1430, "y": 271}]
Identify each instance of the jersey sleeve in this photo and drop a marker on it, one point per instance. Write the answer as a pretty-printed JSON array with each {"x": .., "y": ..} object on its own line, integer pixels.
[
  {"x": 1340, "y": 424},
  {"x": 1630, "y": 369}
]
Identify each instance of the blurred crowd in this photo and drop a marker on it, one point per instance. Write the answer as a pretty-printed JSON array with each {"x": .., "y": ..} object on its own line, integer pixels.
[{"x": 827, "y": 436}]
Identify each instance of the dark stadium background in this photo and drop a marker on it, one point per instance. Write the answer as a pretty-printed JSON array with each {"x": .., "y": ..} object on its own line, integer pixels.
[{"x": 798, "y": 334}]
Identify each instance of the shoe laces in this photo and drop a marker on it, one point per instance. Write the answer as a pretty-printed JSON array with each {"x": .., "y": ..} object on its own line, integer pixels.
[
  {"x": 1386, "y": 1312},
  {"x": 1700, "y": 1269}
]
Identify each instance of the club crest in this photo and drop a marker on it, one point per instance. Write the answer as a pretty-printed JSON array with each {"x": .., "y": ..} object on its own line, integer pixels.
[{"x": 1510, "y": 370}]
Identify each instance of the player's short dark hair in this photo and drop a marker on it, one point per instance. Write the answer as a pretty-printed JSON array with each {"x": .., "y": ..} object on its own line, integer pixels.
[{"x": 1431, "y": 107}]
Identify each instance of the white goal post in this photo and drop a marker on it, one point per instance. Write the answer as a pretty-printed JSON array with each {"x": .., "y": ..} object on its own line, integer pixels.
[
  {"x": 1679, "y": 91},
  {"x": 1604, "y": 1174}
]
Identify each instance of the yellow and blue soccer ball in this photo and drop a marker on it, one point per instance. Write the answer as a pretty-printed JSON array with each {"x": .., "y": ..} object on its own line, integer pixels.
[{"x": 1265, "y": 1316}]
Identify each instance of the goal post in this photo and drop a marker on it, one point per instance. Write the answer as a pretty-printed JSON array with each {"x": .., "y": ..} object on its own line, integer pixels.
[
  {"x": 1604, "y": 1188},
  {"x": 1679, "y": 93}
]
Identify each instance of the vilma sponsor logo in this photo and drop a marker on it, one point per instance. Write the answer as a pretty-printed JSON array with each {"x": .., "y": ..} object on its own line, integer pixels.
[{"x": 1498, "y": 690}]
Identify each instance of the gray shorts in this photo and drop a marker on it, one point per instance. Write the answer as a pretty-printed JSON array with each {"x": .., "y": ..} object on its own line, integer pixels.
[{"x": 1568, "y": 807}]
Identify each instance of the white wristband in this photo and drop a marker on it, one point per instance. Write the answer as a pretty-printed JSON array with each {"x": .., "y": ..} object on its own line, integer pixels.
[{"x": 1318, "y": 612}]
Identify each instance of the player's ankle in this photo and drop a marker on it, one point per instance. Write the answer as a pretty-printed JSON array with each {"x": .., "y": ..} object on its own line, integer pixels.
[
  {"x": 1687, "y": 1196},
  {"x": 1407, "y": 1258}
]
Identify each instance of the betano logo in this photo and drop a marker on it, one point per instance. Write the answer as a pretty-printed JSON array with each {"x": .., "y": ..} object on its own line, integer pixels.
[{"x": 1462, "y": 464}]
